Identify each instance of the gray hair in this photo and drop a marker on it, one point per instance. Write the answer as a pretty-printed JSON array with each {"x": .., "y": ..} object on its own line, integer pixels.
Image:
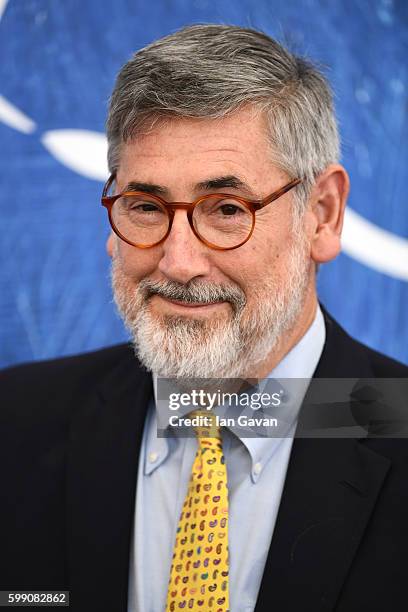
[{"x": 210, "y": 71}]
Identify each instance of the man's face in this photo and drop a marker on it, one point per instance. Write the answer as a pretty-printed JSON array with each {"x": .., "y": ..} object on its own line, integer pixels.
[{"x": 192, "y": 310}]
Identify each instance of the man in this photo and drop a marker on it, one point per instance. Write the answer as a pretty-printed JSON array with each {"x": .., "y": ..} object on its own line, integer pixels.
[{"x": 226, "y": 195}]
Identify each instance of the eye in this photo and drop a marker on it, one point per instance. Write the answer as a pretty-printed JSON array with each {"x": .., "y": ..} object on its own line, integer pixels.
[
  {"x": 137, "y": 205},
  {"x": 229, "y": 209},
  {"x": 145, "y": 207},
  {"x": 223, "y": 214}
]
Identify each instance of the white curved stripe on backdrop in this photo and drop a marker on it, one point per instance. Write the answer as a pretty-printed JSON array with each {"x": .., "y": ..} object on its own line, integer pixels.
[
  {"x": 83, "y": 151},
  {"x": 3, "y": 4},
  {"x": 14, "y": 117},
  {"x": 374, "y": 246}
]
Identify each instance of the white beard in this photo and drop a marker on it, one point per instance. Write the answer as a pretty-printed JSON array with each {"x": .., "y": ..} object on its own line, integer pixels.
[{"x": 184, "y": 347}]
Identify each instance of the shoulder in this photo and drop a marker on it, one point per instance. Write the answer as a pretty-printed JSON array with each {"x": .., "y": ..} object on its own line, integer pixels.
[
  {"x": 59, "y": 383},
  {"x": 75, "y": 366},
  {"x": 40, "y": 401},
  {"x": 346, "y": 357},
  {"x": 383, "y": 366},
  {"x": 93, "y": 358}
]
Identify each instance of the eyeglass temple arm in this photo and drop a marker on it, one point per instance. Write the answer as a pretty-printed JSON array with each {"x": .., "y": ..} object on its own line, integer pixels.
[
  {"x": 108, "y": 184},
  {"x": 280, "y": 192}
]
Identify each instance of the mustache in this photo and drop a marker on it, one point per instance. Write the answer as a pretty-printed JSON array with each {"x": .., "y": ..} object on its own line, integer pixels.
[{"x": 195, "y": 292}]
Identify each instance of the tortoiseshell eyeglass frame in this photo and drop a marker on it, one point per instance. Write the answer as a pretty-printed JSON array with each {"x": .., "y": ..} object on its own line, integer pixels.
[{"x": 252, "y": 205}]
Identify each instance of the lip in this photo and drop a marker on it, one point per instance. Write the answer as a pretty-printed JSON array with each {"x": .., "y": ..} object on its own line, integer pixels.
[{"x": 187, "y": 306}]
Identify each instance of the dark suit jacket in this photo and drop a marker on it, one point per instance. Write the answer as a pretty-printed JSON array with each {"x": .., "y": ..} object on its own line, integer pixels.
[{"x": 70, "y": 438}]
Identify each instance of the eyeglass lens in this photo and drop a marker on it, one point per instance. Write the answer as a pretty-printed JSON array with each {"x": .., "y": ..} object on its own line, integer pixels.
[{"x": 143, "y": 220}]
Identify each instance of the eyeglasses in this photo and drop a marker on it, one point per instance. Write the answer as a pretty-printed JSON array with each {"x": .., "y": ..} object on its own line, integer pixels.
[{"x": 220, "y": 220}]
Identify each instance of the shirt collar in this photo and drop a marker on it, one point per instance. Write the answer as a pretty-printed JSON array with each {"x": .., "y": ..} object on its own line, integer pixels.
[
  {"x": 299, "y": 363},
  {"x": 156, "y": 449}
]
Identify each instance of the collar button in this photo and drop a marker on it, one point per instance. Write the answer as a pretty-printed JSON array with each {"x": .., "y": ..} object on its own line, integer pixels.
[{"x": 257, "y": 469}]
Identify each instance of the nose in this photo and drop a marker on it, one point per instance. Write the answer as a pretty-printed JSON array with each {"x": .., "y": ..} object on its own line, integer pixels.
[{"x": 184, "y": 256}]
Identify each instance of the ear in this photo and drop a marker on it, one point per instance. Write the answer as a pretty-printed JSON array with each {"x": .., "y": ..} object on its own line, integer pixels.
[
  {"x": 110, "y": 243},
  {"x": 328, "y": 201}
]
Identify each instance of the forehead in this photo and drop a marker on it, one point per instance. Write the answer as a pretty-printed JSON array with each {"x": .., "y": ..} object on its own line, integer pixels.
[{"x": 198, "y": 148}]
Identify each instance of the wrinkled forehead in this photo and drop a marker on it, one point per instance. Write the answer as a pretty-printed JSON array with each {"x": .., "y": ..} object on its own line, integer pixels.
[{"x": 196, "y": 148}]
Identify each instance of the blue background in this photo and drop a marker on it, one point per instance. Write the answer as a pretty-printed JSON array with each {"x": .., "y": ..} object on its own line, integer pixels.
[{"x": 58, "y": 63}]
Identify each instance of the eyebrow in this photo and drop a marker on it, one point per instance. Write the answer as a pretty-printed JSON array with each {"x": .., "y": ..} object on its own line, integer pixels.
[
  {"x": 212, "y": 184},
  {"x": 146, "y": 187},
  {"x": 222, "y": 182}
]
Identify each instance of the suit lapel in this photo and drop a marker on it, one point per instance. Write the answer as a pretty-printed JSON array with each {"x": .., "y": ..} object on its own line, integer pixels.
[
  {"x": 101, "y": 483},
  {"x": 330, "y": 491}
]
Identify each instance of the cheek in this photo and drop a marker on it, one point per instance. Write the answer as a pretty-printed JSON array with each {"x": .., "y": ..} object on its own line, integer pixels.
[
  {"x": 137, "y": 263},
  {"x": 264, "y": 257},
  {"x": 274, "y": 241},
  {"x": 246, "y": 266}
]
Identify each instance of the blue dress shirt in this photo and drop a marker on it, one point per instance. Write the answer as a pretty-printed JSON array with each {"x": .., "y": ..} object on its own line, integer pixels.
[{"x": 256, "y": 475}]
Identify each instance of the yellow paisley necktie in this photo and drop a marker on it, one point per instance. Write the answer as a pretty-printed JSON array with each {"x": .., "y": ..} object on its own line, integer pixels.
[{"x": 199, "y": 570}]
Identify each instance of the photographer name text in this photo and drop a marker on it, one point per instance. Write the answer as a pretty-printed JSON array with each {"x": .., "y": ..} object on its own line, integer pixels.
[{"x": 206, "y": 421}]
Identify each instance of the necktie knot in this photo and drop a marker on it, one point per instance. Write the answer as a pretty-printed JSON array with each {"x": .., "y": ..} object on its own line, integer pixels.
[{"x": 206, "y": 428}]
